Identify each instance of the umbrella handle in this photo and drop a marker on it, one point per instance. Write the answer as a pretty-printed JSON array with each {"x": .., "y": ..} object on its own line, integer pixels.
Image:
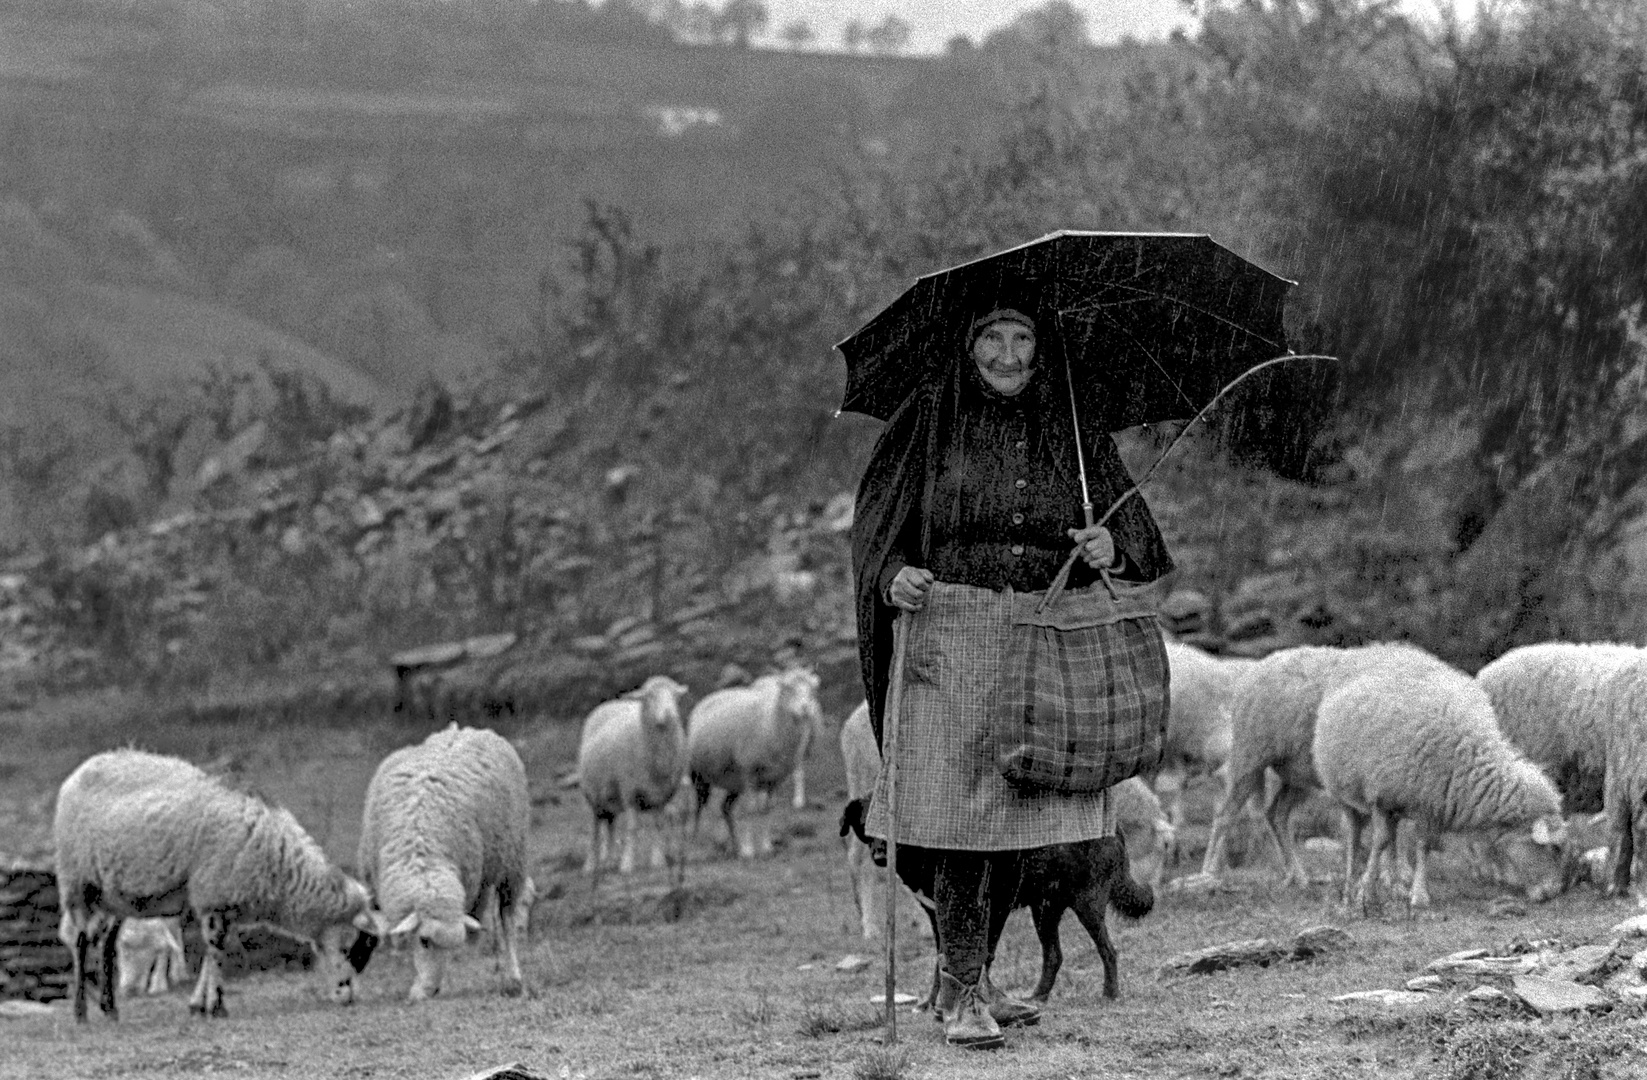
[{"x": 1062, "y": 579}]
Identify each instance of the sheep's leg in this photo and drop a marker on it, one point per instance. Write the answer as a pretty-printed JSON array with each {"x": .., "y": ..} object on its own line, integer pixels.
[
  {"x": 1420, "y": 896},
  {"x": 1279, "y": 819},
  {"x": 208, "y": 992},
  {"x": 799, "y": 801},
  {"x": 864, "y": 890},
  {"x": 508, "y": 930},
  {"x": 1621, "y": 833},
  {"x": 1237, "y": 790},
  {"x": 81, "y": 947},
  {"x": 744, "y": 846},
  {"x": 592, "y": 863},
  {"x": 631, "y": 823},
  {"x": 763, "y": 836},
  {"x": 1383, "y": 837},
  {"x": 109, "y": 964},
  {"x": 1089, "y": 908},
  {"x": 1355, "y": 825}
]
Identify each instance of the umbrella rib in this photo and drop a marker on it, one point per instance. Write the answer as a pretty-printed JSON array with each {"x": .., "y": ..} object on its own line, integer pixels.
[{"x": 1098, "y": 307}]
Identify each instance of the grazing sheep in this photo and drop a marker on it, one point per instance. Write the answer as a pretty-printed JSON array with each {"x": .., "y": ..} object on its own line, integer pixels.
[
  {"x": 150, "y": 955},
  {"x": 1087, "y": 876},
  {"x": 1272, "y": 724},
  {"x": 1140, "y": 818},
  {"x": 442, "y": 841},
  {"x": 1548, "y": 699},
  {"x": 142, "y": 835},
  {"x": 744, "y": 739},
  {"x": 631, "y": 758},
  {"x": 1198, "y": 720},
  {"x": 1423, "y": 744},
  {"x": 862, "y": 759}
]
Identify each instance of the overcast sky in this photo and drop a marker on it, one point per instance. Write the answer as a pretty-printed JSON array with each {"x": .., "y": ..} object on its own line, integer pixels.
[{"x": 936, "y": 21}]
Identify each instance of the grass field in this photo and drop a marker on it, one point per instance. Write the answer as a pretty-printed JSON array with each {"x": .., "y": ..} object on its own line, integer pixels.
[{"x": 734, "y": 975}]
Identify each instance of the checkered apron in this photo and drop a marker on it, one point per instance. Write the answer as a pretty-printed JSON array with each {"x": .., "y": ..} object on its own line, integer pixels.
[{"x": 951, "y": 789}]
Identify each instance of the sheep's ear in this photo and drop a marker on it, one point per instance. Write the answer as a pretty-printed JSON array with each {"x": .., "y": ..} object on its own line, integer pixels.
[
  {"x": 1550, "y": 832},
  {"x": 472, "y": 924},
  {"x": 371, "y": 921},
  {"x": 405, "y": 928}
]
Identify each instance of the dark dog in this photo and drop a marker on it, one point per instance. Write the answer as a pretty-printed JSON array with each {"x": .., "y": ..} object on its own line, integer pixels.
[{"x": 1087, "y": 876}]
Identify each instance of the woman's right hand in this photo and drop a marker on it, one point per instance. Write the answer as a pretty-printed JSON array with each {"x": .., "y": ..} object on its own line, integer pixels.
[{"x": 908, "y": 590}]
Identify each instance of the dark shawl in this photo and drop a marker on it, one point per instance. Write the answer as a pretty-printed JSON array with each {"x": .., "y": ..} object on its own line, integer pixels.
[{"x": 894, "y": 512}]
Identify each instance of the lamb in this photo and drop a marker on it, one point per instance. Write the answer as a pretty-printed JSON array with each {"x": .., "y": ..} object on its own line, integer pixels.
[
  {"x": 1198, "y": 719},
  {"x": 442, "y": 841},
  {"x": 1141, "y": 820},
  {"x": 144, "y": 835},
  {"x": 862, "y": 759},
  {"x": 1087, "y": 876},
  {"x": 631, "y": 758},
  {"x": 1422, "y": 743},
  {"x": 1272, "y": 725},
  {"x": 150, "y": 955},
  {"x": 745, "y": 739},
  {"x": 1548, "y": 698}
]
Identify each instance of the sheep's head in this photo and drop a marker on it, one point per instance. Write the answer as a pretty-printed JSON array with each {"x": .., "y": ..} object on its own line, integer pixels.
[
  {"x": 1539, "y": 858},
  {"x": 660, "y": 698},
  {"x": 344, "y": 946},
  {"x": 432, "y": 939},
  {"x": 798, "y": 697}
]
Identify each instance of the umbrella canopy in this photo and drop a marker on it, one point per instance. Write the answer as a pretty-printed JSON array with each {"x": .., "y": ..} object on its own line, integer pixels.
[{"x": 1152, "y": 325}]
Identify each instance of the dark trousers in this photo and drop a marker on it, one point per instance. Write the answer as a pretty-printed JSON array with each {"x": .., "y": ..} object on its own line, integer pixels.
[{"x": 967, "y": 888}]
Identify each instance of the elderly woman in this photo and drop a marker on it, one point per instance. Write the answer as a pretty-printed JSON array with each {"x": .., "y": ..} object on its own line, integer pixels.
[{"x": 973, "y": 493}]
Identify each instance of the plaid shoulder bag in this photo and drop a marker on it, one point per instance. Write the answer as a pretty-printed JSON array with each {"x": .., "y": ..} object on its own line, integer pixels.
[{"x": 1084, "y": 691}]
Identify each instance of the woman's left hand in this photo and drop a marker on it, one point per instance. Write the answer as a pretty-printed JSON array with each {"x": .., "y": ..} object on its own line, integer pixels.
[{"x": 1097, "y": 546}]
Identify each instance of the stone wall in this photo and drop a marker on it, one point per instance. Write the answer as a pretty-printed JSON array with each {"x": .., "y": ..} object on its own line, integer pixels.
[{"x": 33, "y": 963}]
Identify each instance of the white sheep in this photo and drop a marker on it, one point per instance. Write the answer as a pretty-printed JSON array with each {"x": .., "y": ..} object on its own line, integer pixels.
[
  {"x": 1272, "y": 725},
  {"x": 143, "y": 835},
  {"x": 862, "y": 761},
  {"x": 1423, "y": 744},
  {"x": 1549, "y": 701},
  {"x": 1622, "y": 710},
  {"x": 1198, "y": 720},
  {"x": 631, "y": 758},
  {"x": 1145, "y": 827},
  {"x": 442, "y": 841},
  {"x": 150, "y": 955},
  {"x": 744, "y": 739}
]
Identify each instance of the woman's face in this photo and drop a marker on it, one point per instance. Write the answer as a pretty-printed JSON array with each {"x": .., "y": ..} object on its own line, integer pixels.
[{"x": 1005, "y": 354}]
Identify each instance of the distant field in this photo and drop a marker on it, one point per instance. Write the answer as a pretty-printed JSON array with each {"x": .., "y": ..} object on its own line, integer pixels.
[{"x": 735, "y": 976}]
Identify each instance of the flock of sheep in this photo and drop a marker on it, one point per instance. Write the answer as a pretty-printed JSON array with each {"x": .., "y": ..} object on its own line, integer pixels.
[
  {"x": 1388, "y": 732},
  {"x": 142, "y": 838}
]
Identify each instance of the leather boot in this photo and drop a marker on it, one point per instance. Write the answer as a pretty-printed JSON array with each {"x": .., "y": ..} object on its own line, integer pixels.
[
  {"x": 969, "y": 1024},
  {"x": 1007, "y": 1010}
]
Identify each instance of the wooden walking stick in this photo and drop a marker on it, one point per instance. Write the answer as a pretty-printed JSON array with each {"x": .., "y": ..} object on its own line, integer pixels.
[{"x": 889, "y": 762}]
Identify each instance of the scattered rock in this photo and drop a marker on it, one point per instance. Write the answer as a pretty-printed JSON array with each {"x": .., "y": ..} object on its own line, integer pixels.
[
  {"x": 851, "y": 962},
  {"x": 1200, "y": 884},
  {"x": 1305, "y": 945},
  {"x": 23, "y": 1010},
  {"x": 1500, "y": 966},
  {"x": 1553, "y": 996},
  {"x": 899, "y": 998},
  {"x": 1635, "y": 926},
  {"x": 1585, "y": 964},
  {"x": 1506, "y": 907},
  {"x": 1427, "y": 984},
  {"x": 1488, "y": 995},
  {"x": 1382, "y": 997},
  {"x": 515, "y": 1071}
]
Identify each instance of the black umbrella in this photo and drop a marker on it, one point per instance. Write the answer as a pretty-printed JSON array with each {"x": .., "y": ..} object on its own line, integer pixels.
[
  {"x": 1159, "y": 321},
  {"x": 1153, "y": 325}
]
